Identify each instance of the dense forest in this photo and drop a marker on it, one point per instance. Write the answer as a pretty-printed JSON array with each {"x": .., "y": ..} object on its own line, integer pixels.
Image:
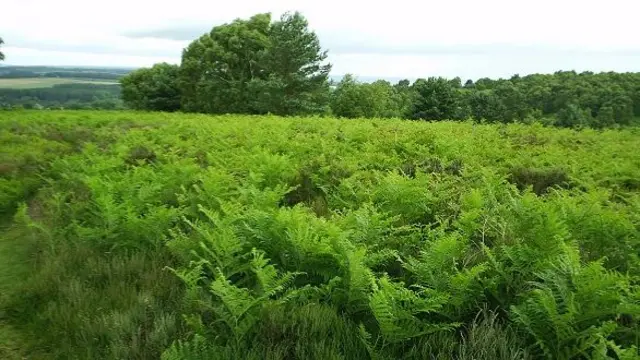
[
  {"x": 566, "y": 99},
  {"x": 257, "y": 66}
]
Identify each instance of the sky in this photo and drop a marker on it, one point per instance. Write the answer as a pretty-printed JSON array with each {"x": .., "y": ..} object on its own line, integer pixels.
[{"x": 384, "y": 39}]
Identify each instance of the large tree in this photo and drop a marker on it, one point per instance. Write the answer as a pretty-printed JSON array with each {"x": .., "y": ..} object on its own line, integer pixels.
[
  {"x": 1, "y": 53},
  {"x": 217, "y": 68},
  {"x": 256, "y": 66},
  {"x": 297, "y": 81},
  {"x": 154, "y": 88},
  {"x": 435, "y": 99},
  {"x": 352, "y": 99}
]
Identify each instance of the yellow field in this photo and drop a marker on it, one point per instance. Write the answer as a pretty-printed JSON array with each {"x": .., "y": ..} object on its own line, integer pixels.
[{"x": 32, "y": 83}]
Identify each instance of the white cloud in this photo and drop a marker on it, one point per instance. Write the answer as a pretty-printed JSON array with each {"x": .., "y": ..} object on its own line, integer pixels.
[{"x": 399, "y": 38}]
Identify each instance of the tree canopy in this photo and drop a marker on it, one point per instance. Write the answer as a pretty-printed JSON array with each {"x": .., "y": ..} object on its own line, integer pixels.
[
  {"x": 251, "y": 66},
  {"x": 154, "y": 88},
  {"x": 1, "y": 53}
]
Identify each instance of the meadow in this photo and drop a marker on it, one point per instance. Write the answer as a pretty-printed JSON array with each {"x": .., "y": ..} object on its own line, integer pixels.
[{"x": 132, "y": 235}]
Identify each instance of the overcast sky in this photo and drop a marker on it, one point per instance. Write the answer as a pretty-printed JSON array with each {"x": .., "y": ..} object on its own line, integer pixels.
[{"x": 392, "y": 39}]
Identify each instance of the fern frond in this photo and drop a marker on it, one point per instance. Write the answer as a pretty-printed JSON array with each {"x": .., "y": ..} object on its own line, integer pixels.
[{"x": 396, "y": 309}]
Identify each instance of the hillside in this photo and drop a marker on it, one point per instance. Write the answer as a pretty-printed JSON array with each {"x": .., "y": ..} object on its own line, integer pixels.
[
  {"x": 73, "y": 72},
  {"x": 134, "y": 235},
  {"x": 52, "y": 87}
]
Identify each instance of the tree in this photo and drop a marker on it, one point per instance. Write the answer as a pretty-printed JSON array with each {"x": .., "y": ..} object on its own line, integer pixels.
[
  {"x": 255, "y": 66},
  {"x": 349, "y": 100},
  {"x": 1, "y": 53},
  {"x": 573, "y": 116},
  {"x": 154, "y": 88},
  {"x": 297, "y": 81},
  {"x": 484, "y": 83},
  {"x": 485, "y": 105},
  {"x": 352, "y": 99},
  {"x": 513, "y": 100},
  {"x": 217, "y": 68},
  {"x": 456, "y": 82},
  {"x": 605, "y": 117},
  {"x": 435, "y": 99}
]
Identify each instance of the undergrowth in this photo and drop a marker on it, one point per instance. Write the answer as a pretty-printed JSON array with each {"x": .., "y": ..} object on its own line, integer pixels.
[{"x": 148, "y": 236}]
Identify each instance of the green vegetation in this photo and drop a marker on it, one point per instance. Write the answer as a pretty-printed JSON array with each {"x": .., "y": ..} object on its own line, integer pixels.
[
  {"x": 35, "y": 83},
  {"x": 257, "y": 66},
  {"x": 64, "y": 94},
  {"x": 155, "y": 235},
  {"x": 46, "y": 87},
  {"x": 88, "y": 73},
  {"x": 152, "y": 89}
]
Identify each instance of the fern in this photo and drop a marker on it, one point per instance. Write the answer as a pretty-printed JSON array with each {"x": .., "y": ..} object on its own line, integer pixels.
[
  {"x": 440, "y": 266},
  {"x": 237, "y": 307},
  {"x": 357, "y": 280},
  {"x": 398, "y": 310},
  {"x": 572, "y": 310},
  {"x": 234, "y": 306},
  {"x": 197, "y": 348}
]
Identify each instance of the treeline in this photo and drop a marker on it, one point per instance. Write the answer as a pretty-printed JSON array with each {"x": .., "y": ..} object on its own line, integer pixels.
[
  {"x": 260, "y": 66},
  {"x": 63, "y": 96},
  {"x": 566, "y": 99},
  {"x": 18, "y": 72}
]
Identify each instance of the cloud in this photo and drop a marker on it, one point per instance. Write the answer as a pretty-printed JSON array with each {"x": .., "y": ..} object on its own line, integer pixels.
[
  {"x": 26, "y": 56},
  {"x": 184, "y": 33},
  {"x": 354, "y": 43},
  {"x": 99, "y": 44},
  {"x": 404, "y": 38}
]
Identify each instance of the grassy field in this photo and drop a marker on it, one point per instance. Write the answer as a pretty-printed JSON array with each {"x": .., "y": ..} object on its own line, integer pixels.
[
  {"x": 33, "y": 83},
  {"x": 148, "y": 235}
]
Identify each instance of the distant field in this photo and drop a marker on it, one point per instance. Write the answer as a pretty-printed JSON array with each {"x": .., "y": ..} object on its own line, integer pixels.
[{"x": 31, "y": 83}]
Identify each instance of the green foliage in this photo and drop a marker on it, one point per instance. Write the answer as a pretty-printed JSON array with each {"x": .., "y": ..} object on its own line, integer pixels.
[
  {"x": 74, "y": 96},
  {"x": 540, "y": 180},
  {"x": 436, "y": 99},
  {"x": 154, "y": 89},
  {"x": 256, "y": 66},
  {"x": 352, "y": 99},
  {"x": 573, "y": 310},
  {"x": 260, "y": 66},
  {"x": 573, "y": 116},
  {"x": 297, "y": 76},
  {"x": 137, "y": 235},
  {"x": 397, "y": 310},
  {"x": 217, "y": 68}
]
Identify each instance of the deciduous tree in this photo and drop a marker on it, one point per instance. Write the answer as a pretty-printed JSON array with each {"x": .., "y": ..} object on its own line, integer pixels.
[
  {"x": 436, "y": 99},
  {"x": 256, "y": 66},
  {"x": 154, "y": 88},
  {"x": 217, "y": 68}
]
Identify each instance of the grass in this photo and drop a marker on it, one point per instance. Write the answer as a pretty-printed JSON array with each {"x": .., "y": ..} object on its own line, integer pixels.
[
  {"x": 137, "y": 235},
  {"x": 13, "y": 267},
  {"x": 34, "y": 83}
]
